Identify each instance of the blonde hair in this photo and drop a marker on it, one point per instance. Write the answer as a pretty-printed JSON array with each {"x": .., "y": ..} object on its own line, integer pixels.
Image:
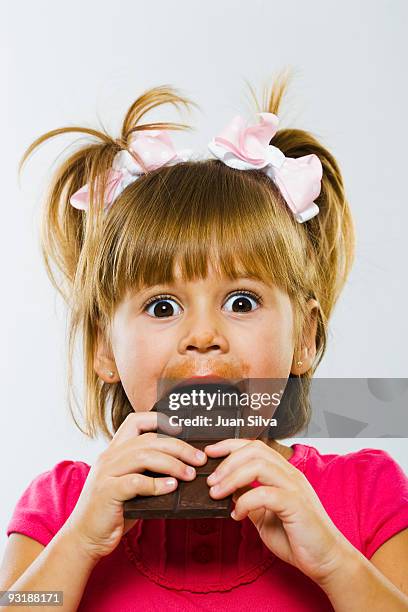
[{"x": 187, "y": 213}]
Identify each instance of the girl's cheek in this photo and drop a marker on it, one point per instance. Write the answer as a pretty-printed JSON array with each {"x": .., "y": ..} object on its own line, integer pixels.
[{"x": 269, "y": 354}]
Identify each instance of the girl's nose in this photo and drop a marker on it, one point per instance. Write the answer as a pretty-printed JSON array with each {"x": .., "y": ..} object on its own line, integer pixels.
[{"x": 203, "y": 341}]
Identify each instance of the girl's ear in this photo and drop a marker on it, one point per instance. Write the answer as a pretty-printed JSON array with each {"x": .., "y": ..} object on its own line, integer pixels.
[
  {"x": 307, "y": 352},
  {"x": 104, "y": 361}
]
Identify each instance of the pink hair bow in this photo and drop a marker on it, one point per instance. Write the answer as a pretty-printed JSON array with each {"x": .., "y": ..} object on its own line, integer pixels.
[
  {"x": 247, "y": 147},
  {"x": 155, "y": 149}
]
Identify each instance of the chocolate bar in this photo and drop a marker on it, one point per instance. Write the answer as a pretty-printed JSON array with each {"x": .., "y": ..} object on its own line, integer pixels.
[{"x": 191, "y": 499}]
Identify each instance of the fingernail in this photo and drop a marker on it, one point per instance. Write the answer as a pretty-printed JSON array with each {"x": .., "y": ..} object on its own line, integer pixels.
[
  {"x": 215, "y": 489},
  {"x": 200, "y": 455},
  {"x": 212, "y": 478},
  {"x": 190, "y": 471},
  {"x": 170, "y": 482}
]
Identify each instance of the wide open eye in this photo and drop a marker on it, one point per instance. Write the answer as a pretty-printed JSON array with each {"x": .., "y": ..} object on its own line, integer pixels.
[
  {"x": 241, "y": 301},
  {"x": 160, "y": 307}
]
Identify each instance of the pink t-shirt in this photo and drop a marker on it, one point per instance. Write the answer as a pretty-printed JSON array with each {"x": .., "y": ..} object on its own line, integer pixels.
[{"x": 183, "y": 565}]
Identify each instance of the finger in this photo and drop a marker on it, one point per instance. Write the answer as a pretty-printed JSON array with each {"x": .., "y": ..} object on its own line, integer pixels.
[
  {"x": 230, "y": 445},
  {"x": 224, "y": 447},
  {"x": 174, "y": 446},
  {"x": 134, "y": 424},
  {"x": 270, "y": 498},
  {"x": 259, "y": 468},
  {"x": 137, "y": 423},
  {"x": 248, "y": 452},
  {"x": 130, "y": 485},
  {"x": 149, "y": 459}
]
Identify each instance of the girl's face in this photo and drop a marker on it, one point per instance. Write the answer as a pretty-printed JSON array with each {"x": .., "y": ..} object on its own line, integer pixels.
[{"x": 231, "y": 328}]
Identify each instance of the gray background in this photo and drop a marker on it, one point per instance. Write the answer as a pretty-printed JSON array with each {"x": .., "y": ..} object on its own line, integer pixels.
[{"x": 70, "y": 63}]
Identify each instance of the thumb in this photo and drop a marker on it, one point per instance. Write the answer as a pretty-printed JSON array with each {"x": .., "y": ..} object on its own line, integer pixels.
[{"x": 254, "y": 515}]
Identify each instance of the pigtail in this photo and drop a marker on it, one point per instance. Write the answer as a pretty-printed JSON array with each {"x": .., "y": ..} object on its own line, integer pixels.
[
  {"x": 64, "y": 229},
  {"x": 331, "y": 232}
]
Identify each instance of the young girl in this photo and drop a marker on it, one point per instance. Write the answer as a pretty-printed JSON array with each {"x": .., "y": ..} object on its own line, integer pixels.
[{"x": 178, "y": 267}]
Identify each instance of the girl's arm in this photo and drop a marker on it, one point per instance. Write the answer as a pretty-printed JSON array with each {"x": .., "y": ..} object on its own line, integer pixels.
[
  {"x": 356, "y": 584},
  {"x": 63, "y": 565}
]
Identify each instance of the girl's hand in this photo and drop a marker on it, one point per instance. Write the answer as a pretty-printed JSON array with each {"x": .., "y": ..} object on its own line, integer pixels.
[
  {"x": 285, "y": 509},
  {"x": 115, "y": 477}
]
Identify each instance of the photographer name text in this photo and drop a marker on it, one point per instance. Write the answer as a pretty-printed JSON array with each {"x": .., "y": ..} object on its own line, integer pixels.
[{"x": 206, "y": 421}]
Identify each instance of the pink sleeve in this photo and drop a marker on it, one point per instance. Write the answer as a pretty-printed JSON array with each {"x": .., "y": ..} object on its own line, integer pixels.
[
  {"x": 383, "y": 498},
  {"x": 47, "y": 502}
]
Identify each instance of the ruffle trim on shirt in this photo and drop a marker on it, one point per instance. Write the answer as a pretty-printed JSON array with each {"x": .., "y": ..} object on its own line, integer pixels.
[{"x": 197, "y": 586}]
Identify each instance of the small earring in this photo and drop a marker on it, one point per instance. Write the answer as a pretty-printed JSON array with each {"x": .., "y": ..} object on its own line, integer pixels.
[
  {"x": 299, "y": 363},
  {"x": 111, "y": 373}
]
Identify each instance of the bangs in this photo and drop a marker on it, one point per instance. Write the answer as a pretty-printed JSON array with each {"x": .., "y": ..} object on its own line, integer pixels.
[{"x": 187, "y": 216}]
